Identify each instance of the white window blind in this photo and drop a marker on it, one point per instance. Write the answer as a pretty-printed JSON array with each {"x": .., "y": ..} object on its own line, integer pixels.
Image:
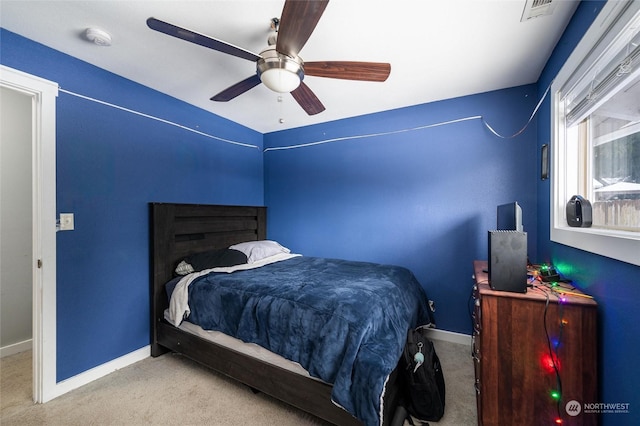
[{"x": 617, "y": 66}]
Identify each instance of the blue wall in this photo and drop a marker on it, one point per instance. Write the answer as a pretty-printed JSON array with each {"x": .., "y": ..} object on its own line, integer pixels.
[
  {"x": 110, "y": 164},
  {"x": 423, "y": 199},
  {"x": 615, "y": 285}
]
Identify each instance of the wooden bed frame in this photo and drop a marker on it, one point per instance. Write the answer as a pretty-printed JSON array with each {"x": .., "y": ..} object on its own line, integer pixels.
[{"x": 178, "y": 230}]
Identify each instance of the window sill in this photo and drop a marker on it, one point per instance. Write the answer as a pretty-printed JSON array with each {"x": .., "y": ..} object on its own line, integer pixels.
[{"x": 620, "y": 245}]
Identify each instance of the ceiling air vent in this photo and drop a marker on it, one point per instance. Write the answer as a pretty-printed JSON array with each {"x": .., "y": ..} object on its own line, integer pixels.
[{"x": 537, "y": 8}]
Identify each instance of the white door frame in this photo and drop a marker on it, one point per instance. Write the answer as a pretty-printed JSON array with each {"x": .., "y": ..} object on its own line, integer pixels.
[{"x": 43, "y": 94}]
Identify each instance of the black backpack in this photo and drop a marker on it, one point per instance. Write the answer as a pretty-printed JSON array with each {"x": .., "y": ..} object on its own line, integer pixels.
[{"x": 423, "y": 386}]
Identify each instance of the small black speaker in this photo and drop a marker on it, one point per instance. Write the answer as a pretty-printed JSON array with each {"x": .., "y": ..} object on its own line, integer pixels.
[
  {"x": 508, "y": 261},
  {"x": 579, "y": 212}
]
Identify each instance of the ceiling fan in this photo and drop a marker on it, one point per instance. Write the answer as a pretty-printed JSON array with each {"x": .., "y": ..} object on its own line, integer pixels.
[{"x": 278, "y": 66}]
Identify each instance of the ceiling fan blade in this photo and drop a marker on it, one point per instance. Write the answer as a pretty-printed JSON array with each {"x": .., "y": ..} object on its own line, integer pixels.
[
  {"x": 298, "y": 20},
  {"x": 348, "y": 70},
  {"x": 237, "y": 89},
  {"x": 201, "y": 39},
  {"x": 307, "y": 99}
]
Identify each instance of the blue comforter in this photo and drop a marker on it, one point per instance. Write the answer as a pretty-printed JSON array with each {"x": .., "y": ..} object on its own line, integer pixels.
[{"x": 345, "y": 322}]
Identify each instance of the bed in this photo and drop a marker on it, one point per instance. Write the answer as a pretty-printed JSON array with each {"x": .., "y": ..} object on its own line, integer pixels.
[{"x": 180, "y": 230}]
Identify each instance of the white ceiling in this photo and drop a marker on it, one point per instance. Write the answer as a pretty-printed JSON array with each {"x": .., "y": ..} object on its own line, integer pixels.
[{"x": 437, "y": 49}]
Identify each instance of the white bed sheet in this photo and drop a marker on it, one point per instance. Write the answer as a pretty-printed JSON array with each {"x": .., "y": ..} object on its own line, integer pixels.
[{"x": 250, "y": 349}]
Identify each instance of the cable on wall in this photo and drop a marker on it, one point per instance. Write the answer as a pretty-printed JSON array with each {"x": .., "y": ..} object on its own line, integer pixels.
[
  {"x": 324, "y": 141},
  {"x": 443, "y": 123},
  {"x": 162, "y": 120},
  {"x": 344, "y": 138},
  {"x": 533, "y": 114}
]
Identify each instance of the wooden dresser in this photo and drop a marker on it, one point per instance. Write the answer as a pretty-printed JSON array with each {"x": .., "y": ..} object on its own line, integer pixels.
[{"x": 513, "y": 338}]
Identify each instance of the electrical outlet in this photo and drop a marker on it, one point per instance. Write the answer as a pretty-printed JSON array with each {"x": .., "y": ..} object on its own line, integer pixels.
[{"x": 66, "y": 222}]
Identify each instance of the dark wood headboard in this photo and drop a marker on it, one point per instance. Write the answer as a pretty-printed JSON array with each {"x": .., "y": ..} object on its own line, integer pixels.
[{"x": 178, "y": 230}]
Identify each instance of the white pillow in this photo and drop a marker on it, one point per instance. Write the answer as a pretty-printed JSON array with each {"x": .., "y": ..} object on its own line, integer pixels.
[{"x": 257, "y": 250}]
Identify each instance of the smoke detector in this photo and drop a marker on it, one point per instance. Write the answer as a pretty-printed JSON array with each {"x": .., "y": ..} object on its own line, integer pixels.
[{"x": 98, "y": 36}]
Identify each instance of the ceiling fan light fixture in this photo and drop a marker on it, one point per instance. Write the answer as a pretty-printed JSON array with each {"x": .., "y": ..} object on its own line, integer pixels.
[
  {"x": 278, "y": 72},
  {"x": 280, "y": 80}
]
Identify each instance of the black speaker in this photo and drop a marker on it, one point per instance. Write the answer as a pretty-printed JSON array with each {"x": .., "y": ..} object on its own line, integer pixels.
[
  {"x": 579, "y": 212},
  {"x": 508, "y": 261}
]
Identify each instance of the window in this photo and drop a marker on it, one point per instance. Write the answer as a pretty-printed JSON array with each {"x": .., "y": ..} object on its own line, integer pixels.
[{"x": 596, "y": 136}]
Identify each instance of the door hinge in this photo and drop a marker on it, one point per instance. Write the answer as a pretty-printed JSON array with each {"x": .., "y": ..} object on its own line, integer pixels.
[{"x": 39, "y": 263}]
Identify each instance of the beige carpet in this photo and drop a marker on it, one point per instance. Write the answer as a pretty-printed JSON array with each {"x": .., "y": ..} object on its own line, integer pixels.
[{"x": 172, "y": 390}]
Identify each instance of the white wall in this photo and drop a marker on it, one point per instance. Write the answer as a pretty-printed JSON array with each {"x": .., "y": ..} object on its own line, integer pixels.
[{"x": 15, "y": 220}]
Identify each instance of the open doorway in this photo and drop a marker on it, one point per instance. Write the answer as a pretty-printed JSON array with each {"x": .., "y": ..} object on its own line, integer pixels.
[
  {"x": 16, "y": 244},
  {"x": 37, "y": 98}
]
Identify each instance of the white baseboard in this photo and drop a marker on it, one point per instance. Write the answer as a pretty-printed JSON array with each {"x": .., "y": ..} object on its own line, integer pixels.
[
  {"x": 100, "y": 371},
  {"x": 16, "y": 348},
  {"x": 449, "y": 336}
]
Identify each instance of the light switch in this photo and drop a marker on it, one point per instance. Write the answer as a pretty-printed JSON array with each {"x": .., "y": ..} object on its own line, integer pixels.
[{"x": 66, "y": 222}]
